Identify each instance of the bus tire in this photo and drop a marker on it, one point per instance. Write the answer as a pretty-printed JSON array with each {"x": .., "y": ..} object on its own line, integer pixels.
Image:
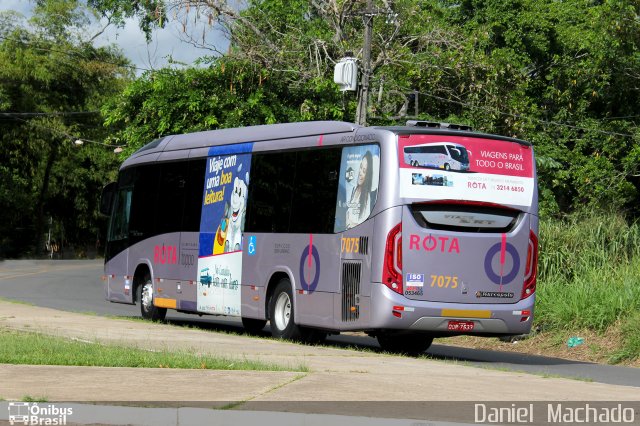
[
  {"x": 405, "y": 343},
  {"x": 253, "y": 325},
  {"x": 447, "y": 166},
  {"x": 145, "y": 296},
  {"x": 281, "y": 316}
]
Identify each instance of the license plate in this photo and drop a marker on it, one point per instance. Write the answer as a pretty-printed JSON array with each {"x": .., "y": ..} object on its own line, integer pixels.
[{"x": 460, "y": 326}]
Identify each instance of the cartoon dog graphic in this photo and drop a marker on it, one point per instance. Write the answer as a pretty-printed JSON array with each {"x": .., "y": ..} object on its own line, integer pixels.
[
  {"x": 221, "y": 233},
  {"x": 237, "y": 214}
]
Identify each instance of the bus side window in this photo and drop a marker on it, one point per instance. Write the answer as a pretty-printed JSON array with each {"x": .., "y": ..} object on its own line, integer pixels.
[
  {"x": 144, "y": 203},
  {"x": 194, "y": 186},
  {"x": 293, "y": 191},
  {"x": 270, "y": 192},
  {"x": 173, "y": 183},
  {"x": 315, "y": 191}
]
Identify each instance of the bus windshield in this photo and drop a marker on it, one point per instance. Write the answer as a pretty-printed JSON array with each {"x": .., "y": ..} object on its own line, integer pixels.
[{"x": 458, "y": 153}]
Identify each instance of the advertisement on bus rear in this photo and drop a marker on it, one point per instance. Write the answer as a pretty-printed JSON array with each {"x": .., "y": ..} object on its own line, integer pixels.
[
  {"x": 221, "y": 225},
  {"x": 436, "y": 167}
]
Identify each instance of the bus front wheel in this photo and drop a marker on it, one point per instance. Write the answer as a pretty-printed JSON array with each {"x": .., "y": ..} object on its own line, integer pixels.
[
  {"x": 406, "y": 343},
  {"x": 281, "y": 316},
  {"x": 145, "y": 297}
]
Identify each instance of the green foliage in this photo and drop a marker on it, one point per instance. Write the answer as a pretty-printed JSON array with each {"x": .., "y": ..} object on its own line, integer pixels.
[
  {"x": 568, "y": 85},
  {"x": 563, "y": 75},
  {"x": 631, "y": 339},
  {"x": 150, "y": 13},
  {"x": 229, "y": 93},
  {"x": 589, "y": 269},
  {"x": 43, "y": 69}
]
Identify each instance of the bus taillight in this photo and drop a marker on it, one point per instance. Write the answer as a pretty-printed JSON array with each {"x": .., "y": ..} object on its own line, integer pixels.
[
  {"x": 531, "y": 270},
  {"x": 392, "y": 272}
]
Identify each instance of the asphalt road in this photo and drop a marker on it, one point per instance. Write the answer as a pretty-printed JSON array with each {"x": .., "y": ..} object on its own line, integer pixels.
[{"x": 76, "y": 286}]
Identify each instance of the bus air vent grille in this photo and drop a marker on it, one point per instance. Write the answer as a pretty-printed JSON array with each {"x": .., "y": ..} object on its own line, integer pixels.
[
  {"x": 351, "y": 272},
  {"x": 363, "y": 247}
]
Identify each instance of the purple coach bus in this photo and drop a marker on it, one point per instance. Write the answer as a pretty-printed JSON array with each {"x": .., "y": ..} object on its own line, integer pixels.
[{"x": 324, "y": 227}]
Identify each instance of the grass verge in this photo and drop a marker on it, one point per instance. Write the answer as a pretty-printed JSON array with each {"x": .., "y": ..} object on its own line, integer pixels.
[
  {"x": 38, "y": 349},
  {"x": 630, "y": 350},
  {"x": 589, "y": 271},
  {"x": 29, "y": 398}
]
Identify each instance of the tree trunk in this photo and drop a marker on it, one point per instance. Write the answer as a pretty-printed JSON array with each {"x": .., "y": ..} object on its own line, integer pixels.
[{"x": 39, "y": 237}]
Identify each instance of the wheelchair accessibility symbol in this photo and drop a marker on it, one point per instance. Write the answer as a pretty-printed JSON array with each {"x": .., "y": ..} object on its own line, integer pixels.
[{"x": 251, "y": 248}]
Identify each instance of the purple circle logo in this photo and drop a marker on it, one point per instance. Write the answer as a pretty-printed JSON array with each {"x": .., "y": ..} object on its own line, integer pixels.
[
  {"x": 488, "y": 264},
  {"x": 310, "y": 257}
]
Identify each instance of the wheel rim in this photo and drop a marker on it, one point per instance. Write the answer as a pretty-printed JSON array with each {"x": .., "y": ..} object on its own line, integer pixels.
[
  {"x": 282, "y": 311},
  {"x": 147, "y": 296}
]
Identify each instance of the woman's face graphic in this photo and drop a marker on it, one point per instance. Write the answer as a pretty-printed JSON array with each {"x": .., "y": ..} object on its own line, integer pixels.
[{"x": 364, "y": 165}]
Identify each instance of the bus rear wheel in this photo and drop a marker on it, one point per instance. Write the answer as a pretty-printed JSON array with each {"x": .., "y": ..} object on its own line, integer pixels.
[
  {"x": 281, "y": 316},
  {"x": 405, "y": 343},
  {"x": 145, "y": 297}
]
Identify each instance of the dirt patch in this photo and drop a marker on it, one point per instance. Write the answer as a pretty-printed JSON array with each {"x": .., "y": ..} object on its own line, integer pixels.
[{"x": 596, "y": 347}]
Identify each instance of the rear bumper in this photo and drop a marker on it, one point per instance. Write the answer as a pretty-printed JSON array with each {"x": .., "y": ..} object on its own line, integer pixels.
[{"x": 499, "y": 319}]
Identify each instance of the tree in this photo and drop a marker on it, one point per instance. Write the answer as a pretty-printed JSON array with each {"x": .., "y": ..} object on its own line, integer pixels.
[
  {"x": 228, "y": 93},
  {"x": 561, "y": 74},
  {"x": 52, "y": 85}
]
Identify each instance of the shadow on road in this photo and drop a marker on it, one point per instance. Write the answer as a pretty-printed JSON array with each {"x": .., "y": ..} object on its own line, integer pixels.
[{"x": 356, "y": 341}]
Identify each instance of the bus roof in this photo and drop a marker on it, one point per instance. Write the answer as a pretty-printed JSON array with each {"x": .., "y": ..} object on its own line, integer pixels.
[
  {"x": 260, "y": 133},
  {"x": 265, "y": 133},
  {"x": 411, "y": 130}
]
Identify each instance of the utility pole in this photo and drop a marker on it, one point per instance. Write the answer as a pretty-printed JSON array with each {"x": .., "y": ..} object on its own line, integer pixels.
[{"x": 363, "y": 93}]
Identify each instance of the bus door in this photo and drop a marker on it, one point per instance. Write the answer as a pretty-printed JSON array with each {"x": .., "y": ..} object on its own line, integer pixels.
[{"x": 467, "y": 235}]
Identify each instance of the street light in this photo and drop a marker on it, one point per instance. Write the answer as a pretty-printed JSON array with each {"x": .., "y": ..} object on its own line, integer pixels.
[{"x": 80, "y": 142}]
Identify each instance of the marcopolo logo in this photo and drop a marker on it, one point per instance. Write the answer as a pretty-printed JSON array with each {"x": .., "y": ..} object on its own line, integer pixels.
[{"x": 30, "y": 413}]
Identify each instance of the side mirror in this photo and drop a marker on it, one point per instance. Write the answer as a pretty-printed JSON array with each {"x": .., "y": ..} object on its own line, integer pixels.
[{"x": 106, "y": 200}]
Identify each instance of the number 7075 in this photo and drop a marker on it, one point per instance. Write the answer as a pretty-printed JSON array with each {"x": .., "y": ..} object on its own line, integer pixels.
[{"x": 444, "y": 281}]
